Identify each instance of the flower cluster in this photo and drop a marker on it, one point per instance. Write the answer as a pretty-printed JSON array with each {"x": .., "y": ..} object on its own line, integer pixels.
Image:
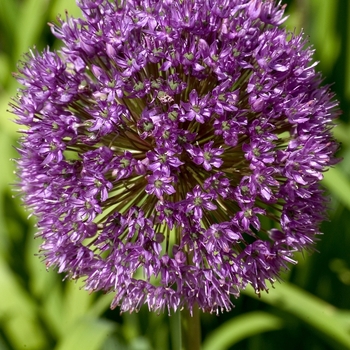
[{"x": 173, "y": 149}]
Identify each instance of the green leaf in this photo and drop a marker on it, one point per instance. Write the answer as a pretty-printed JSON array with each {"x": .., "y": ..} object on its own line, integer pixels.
[
  {"x": 32, "y": 20},
  {"x": 344, "y": 316},
  {"x": 60, "y": 6},
  {"x": 4, "y": 69},
  {"x": 18, "y": 313},
  {"x": 8, "y": 22},
  {"x": 62, "y": 309},
  {"x": 323, "y": 317},
  {"x": 52, "y": 310},
  {"x": 7, "y": 165},
  {"x": 87, "y": 334},
  {"x": 241, "y": 327},
  {"x": 341, "y": 133},
  {"x": 324, "y": 36},
  {"x": 101, "y": 304},
  {"x": 40, "y": 280},
  {"x": 76, "y": 303},
  {"x": 338, "y": 184}
]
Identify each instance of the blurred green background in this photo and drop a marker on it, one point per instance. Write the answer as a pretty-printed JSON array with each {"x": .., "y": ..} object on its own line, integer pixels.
[{"x": 310, "y": 310}]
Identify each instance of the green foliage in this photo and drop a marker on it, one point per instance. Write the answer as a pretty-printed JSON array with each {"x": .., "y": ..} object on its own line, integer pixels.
[
  {"x": 38, "y": 311},
  {"x": 241, "y": 327}
]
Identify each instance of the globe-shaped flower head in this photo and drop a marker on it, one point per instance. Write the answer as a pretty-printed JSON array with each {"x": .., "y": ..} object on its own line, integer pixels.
[{"x": 173, "y": 149}]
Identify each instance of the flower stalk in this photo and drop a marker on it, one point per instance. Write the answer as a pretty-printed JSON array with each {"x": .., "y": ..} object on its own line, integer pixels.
[{"x": 191, "y": 329}]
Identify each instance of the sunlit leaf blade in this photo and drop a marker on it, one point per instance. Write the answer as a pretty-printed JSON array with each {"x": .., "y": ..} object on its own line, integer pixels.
[
  {"x": 28, "y": 32},
  {"x": 315, "y": 312},
  {"x": 59, "y": 7},
  {"x": 338, "y": 184},
  {"x": 18, "y": 313},
  {"x": 87, "y": 334},
  {"x": 241, "y": 327}
]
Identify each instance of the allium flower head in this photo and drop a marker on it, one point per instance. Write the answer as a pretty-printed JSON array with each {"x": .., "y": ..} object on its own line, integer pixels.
[{"x": 173, "y": 149}]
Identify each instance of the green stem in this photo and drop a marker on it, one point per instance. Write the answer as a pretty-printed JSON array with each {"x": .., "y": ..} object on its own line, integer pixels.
[
  {"x": 191, "y": 329},
  {"x": 175, "y": 331}
]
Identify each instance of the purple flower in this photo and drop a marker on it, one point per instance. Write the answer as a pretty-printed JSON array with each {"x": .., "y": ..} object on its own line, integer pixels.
[
  {"x": 208, "y": 157},
  {"x": 160, "y": 182},
  {"x": 196, "y": 108},
  {"x": 158, "y": 138},
  {"x": 163, "y": 159},
  {"x": 198, "y": 200}
]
